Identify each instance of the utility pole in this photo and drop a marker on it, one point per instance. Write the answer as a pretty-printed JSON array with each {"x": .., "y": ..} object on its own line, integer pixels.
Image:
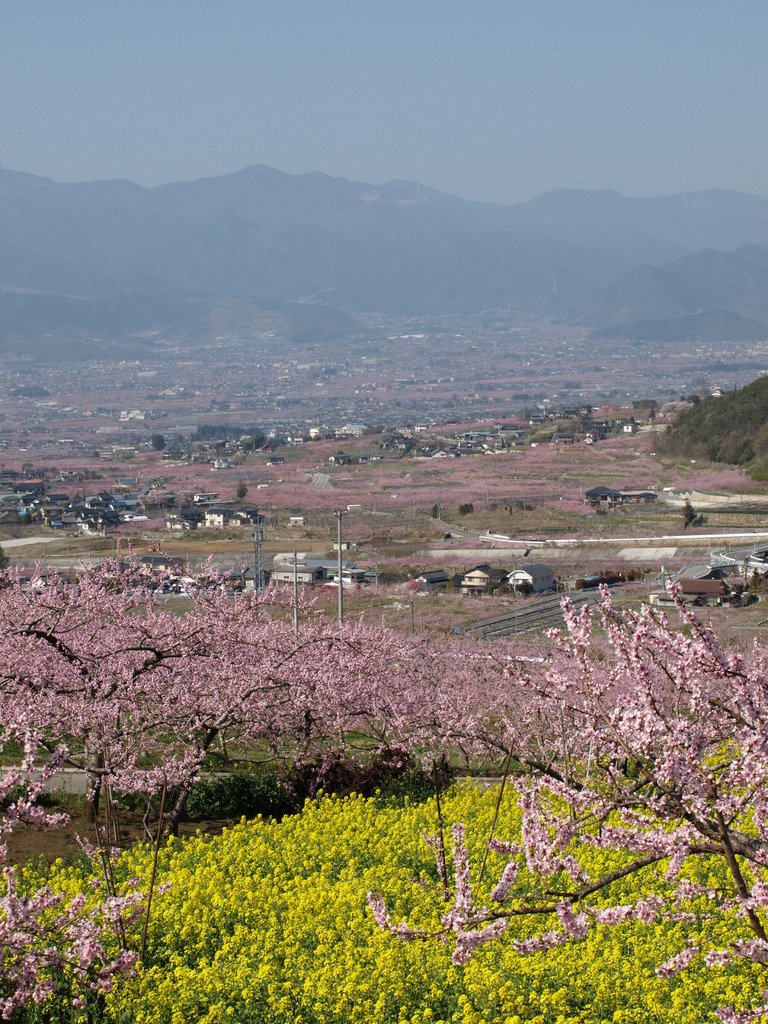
[
  {"x": 340, "y": 513},
  {"x": 295, "y": 596},
  {"x": 258, "y": 553}
]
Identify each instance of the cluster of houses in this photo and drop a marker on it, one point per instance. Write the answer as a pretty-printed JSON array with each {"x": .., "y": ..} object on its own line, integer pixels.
[
  {"x": 346, "y": 459},
  {"x": 167, "y": 573},
  {"x": 722, "y": 580},
  {"x": 312, "y": 571},
  {"x": 469, "y": 442},
  {"x": 25, "y": 499},
  {"x": 207, "y": 510},
  {"x": 526, "y": 578}
]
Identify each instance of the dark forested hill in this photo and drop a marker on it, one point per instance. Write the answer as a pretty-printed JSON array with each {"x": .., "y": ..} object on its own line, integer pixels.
[{"x": 732, "y": 428}]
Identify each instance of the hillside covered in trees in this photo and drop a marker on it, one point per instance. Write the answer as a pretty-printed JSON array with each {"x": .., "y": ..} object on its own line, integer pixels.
[{"x": 731, "y": 428}]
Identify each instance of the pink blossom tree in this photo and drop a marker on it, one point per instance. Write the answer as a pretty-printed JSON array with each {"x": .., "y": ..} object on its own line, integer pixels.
[
  {"x": 635, "y": 737},
  {"x": 42, "y": 936},
  {"x": 640, "y": 738},
  {"x": 142, "y": 692}
]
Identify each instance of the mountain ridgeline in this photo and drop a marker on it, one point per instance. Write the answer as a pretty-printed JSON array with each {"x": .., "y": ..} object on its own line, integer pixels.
[
  {"x": 99, "y": 264},
  {"x": 731, "y": 428}
]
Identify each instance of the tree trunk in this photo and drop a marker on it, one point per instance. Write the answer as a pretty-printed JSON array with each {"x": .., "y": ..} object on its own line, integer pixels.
[
  {"x": 94, "y": 765},
  {"x": 176, "y": 813}
]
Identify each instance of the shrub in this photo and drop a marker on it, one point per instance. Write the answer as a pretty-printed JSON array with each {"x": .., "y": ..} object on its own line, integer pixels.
[{"x": 242, "y": 793}]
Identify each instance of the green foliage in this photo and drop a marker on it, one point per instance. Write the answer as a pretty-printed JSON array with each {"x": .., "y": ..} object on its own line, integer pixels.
[
  {"x": 466, "y": 509},
  {"x": 689, "y": 515},
  {"x": 732, "y": 428},
  {"x": 269, "y": 923},
  {"x": 268, "y": 792},
  {"x": 227, "y": 431},
  {"x": 157, "y": 441},
  {"x": 414, "y": 784},
  {"x": 3, "y": 559},
  {"x": 238, "y": 793},
  {"x": 757, "y": 581},
  {"x": 242, "y": 489}
]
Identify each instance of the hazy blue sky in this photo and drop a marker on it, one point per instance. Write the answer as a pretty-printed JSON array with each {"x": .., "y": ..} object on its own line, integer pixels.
[{"x": 497, "y": 100}]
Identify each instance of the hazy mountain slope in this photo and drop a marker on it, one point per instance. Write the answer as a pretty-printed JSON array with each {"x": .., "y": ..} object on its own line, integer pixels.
[
  {"x": 25, "y": 269},
  {"x": 715, "y": 325},
  {"x": 235, "y": 256},
  {"x": 29, "y": 314},
  {"x": 262, "y": 233},
  {"x": 464, "y": 281},
  {"x": 96, "y": 226},
  {"x": 705, "y": 280},
  {"x": 397, "y": 248},
  {"x": 46, "y": 327},
  {"x": 715, "y": 218}
]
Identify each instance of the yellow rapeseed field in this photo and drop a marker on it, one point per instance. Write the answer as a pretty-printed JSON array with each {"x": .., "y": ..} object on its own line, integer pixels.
[{"x": 268, "y": 923}]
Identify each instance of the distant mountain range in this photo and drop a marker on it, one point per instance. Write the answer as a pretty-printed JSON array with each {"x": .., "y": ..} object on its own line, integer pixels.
[{"x": 91, "y": 266}]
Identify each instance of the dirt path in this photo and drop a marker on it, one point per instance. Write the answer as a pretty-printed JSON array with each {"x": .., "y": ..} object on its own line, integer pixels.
[
  {"x": 72, "y": 550},
  {"x": 27, "y": 844}
]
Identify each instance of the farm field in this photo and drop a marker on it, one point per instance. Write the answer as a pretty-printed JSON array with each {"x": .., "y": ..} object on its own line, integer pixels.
[
  {"x": 269, "y": 919},
  {"x": 383, "y": 515},
  {"x": 533, "y": 495},
  {"x": 270, "y": 922},
  {"x": 535, "y": 498},
  {"x": 600, "y": 900}
]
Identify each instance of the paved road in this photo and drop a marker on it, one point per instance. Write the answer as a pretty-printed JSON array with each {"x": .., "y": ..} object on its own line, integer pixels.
[
  {"x": 21, "y": 542},
  {"x": 678, "y": 538},
  {"x": 68, "y": 780},
  {"x": 656, "y": 547}
]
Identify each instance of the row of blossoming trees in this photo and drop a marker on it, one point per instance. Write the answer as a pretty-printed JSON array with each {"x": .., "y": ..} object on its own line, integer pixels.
[{"x": 637, "y": 738}]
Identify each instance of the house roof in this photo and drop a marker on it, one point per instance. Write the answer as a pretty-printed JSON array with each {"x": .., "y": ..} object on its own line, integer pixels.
[
  {"x": 492, "y": 572},
  {"x": 536, "y": 570},
  {"x": 713, "y": 587},
  {"x": 311, "y": 563},
  {"x": 160, "y": 561},
  {"x": 484, "y": 568},
  {"x": 602, "y": 492}
]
